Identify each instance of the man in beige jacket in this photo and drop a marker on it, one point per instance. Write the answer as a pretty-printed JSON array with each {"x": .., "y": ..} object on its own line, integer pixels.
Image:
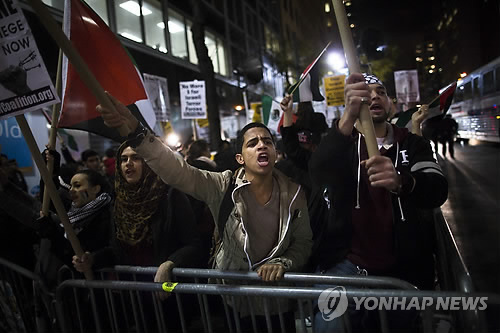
[{"x": 268, "y": 228}]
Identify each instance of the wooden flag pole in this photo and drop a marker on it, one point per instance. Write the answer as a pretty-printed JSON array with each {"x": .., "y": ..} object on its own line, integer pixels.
[
  {"x": 353, "y": 64},
  {"x": 74, "y": 57},
  {"x": 51, "y": 188},
  {"x": 56, "y": 108}
]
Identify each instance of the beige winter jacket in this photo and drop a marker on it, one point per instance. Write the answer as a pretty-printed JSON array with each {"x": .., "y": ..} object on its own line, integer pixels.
[{"x": 295, "y": 237}]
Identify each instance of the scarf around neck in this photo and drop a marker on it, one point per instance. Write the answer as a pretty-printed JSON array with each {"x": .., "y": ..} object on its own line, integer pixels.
[{"x": 135, "y": 204}]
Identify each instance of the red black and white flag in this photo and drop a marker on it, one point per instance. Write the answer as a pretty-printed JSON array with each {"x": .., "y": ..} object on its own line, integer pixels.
[{"x": 112, "y": 66}]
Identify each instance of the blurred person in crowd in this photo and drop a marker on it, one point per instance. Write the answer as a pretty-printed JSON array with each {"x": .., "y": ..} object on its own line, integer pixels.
[
  {"x": 376, "y": 224},
  {"x": 199, "y": 155},
  {"x": 18, "y": 211},
  {"x": 266, "y": 227},
  {"x": 14, "y": 174},
  {"x": 448, "y": 129},
  {"x": 91, "y": 160},
  {"x": 225, "y": 157},
  {"x": 90, "y": 217},
  {"x": 300, "y": 140}
]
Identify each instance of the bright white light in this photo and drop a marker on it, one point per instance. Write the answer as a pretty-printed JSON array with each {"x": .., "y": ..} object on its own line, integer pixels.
[
  {"x": 173, "y": 140},
  {"x": 174, "y": 27},
  {"x": 163, "y": 49},
  {"x": 133, "y": 7},
  {"x": 48, "y": 126},
  {"x": 381, "y": 48},
  {"x": 132, "y": 37},
  {"x": 336, "y": 61}
]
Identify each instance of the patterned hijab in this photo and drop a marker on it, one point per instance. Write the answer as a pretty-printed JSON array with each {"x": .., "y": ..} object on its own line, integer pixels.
[{"x": 136, "y": 203}]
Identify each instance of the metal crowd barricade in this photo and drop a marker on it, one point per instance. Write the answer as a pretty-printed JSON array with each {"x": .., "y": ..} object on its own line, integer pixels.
[
  {"x": 25, "y": 303},
  {"x": 270, "y": 293}
]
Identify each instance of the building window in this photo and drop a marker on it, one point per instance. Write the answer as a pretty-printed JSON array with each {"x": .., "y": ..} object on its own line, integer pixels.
[
  {"x": 488, "y": 83},
  {"x": 100, "y": 8},
  {"x": 468, "y": 91},
  {"x": 476, "y": 87},
  {"x": 154, "y": 25},
  {"x": 222, "y": 57},
  {"x": 59, "y": 4},
  {"x": 212, "y": 50},
  {"x": 128, "y": 23},
  {"x": 192, "y": 50},
  {"x": 177, "y": 32}
]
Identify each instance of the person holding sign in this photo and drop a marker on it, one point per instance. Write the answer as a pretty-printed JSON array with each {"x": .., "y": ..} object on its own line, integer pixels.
[
  {"x": 261, "y": 215},
  {"x": 377, "y": 225}
]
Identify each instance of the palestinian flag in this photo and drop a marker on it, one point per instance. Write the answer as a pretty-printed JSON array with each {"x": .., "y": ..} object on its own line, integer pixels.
[
  {"x": 437, "y": 108},
  {"x": 111, "y": 65},
  {"x": 307, "y": 88}
]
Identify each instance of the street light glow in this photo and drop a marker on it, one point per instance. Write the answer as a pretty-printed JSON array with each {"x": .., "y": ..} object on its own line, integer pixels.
[
  {"x": 173, "y": 140},
  {"x": 336, "y": 61}
]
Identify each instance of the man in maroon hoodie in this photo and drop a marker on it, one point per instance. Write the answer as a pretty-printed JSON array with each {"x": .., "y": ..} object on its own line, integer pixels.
[{"x": 377, "y": 224}]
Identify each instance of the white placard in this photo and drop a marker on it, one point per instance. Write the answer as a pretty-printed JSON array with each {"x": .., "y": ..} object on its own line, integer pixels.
[
  {"x": 407, "y": 89},
  {"x": 157, "y": 91},
  {"x": 193, "y": 102},
  {"x": 25, "y": 84}
]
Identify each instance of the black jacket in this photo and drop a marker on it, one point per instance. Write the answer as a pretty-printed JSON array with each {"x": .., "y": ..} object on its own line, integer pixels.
[
  {"x": 174, "y": 233},
  {"x": 335, "y": 164}
]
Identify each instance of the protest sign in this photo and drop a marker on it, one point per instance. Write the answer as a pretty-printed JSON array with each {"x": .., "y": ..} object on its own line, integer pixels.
[
  {"x": 193, "y": 105},
  {"x": 25, "y": 84},
  {"x": 157, "y": 91},
  {"x": 334, "y": 90},
  {"x": 407, "y": 90}
]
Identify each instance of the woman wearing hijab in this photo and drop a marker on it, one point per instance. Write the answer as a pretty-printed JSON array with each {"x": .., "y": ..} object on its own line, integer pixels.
[{"x": 154, "y": 224}]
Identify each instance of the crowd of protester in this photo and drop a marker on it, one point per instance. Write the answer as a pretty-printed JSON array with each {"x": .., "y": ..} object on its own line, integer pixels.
[{"x": 324, "y": 207}]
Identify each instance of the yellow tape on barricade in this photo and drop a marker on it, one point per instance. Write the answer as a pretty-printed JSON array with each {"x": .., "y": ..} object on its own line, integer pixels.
[{"x": 169, "y": 286}]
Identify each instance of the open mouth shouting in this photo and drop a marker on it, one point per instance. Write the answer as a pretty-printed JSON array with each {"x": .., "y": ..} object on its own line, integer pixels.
[
  {"x": 263, "y": 159},
  {"x": 376, "y": 108}
]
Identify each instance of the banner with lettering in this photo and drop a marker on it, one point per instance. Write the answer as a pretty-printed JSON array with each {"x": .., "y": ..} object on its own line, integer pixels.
[
  {"x": 193, "y": 100},
  {"x": 334, "y": 90},
  {"x": 406, "y": 82},
  {"x": 25, "y": 84}
]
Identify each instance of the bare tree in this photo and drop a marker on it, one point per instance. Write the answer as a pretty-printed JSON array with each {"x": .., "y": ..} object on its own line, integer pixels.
[{"x": 207, "y": 72}]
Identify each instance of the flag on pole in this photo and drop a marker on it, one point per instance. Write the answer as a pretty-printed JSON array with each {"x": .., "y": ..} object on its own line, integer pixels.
[
  {"x": 272, "y": 113},
  {"x": 111, "y": 65},
  {"x": 438, "y": 107},
  {"x": 310, "y": 90}
]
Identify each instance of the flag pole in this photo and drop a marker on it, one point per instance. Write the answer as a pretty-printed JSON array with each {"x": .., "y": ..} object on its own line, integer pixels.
[
  {"x": 56, "y": 108},
  {"x": 51, "y": 188},
  {"x": 353, "y": 64},
  {"x": 74, "y": 57}
]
